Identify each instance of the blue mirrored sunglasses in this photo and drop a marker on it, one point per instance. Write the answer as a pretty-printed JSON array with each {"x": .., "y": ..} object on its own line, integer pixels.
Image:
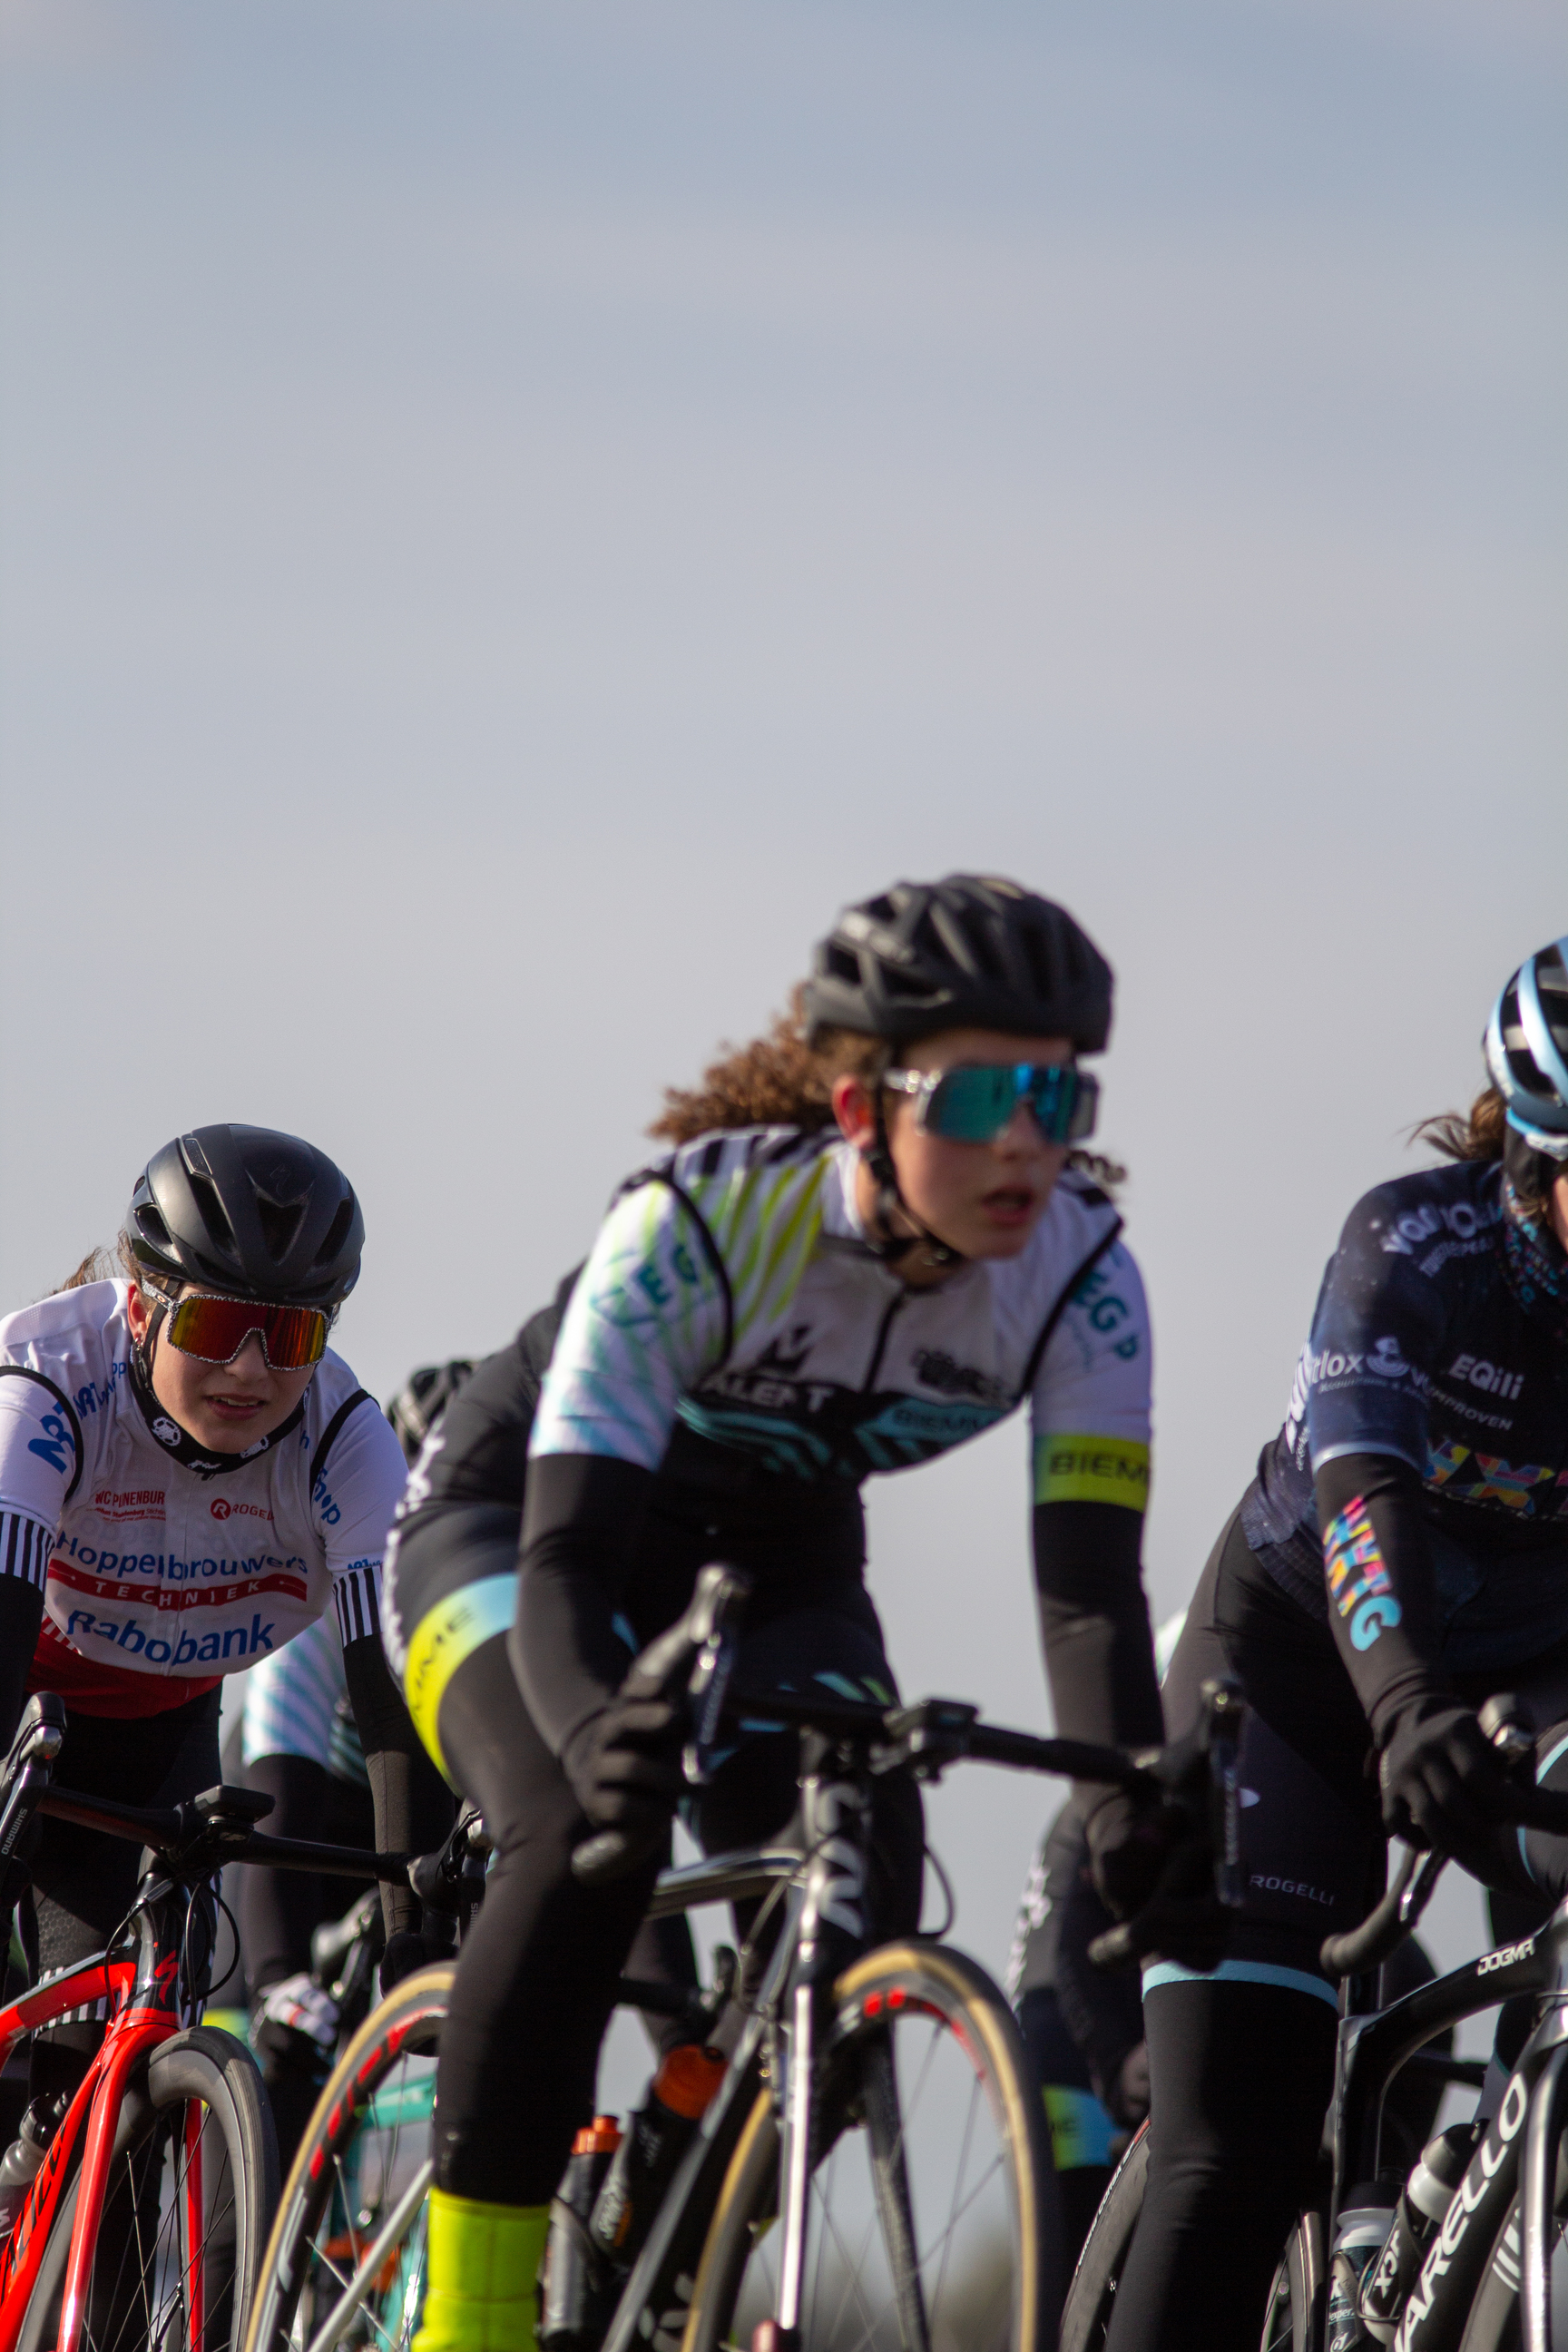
[{"x": 976, "y": 1105}]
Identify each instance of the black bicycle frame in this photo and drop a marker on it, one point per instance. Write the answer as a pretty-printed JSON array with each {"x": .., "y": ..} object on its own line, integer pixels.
[{"x": 1479, "y": 2254}]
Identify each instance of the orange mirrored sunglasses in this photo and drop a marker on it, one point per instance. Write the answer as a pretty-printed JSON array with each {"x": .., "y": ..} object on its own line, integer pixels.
[{"x": 216, "y": 1329}]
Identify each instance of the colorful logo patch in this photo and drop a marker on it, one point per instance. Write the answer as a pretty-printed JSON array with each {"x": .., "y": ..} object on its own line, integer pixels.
[
  {"x": 1359, "y": 1580},
  {"x": 1533, "y": 1489}
]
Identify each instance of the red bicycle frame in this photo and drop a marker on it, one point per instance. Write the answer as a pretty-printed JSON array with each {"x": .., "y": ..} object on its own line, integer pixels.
[
  {"x": 146, "y": 1998},
  {"x": 141, "y": 1997}
]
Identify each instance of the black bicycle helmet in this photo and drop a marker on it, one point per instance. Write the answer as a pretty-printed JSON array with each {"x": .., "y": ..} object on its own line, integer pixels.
[
  {"x": 970, "y": 950},
  {"x": 423, "y": 1399},
  {"x": 1526, "y": 1050},
  {"x": 245, "y": 1209}
]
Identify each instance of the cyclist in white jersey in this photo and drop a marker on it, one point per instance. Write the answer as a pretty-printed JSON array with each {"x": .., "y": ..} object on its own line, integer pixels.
[
  {"x": 188, "y": 1477},
  {"x": 871, "y": 1248}
]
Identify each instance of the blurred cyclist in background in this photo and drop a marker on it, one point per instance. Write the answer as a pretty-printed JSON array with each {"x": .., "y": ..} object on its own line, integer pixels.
[{"x": 299, "y": 1743}]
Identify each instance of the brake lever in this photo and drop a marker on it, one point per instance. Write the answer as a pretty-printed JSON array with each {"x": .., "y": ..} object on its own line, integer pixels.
[
  {"x": 663, "y": 1670},
  {"x": 710, "y": 1676}
]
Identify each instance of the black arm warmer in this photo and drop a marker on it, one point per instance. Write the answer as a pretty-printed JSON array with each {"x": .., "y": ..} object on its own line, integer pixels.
[
  {"x": 581, "y": 1520},
  {"x": 1099, "y": 1654},
  {"x": 21, "y": 1614},
  {"x": 1378, "y": 1562},
  {"x": 1103, "y": 2009},
  {"x": 413, "y": 1805}
]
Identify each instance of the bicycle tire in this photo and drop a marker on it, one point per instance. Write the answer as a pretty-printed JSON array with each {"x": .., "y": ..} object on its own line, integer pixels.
[
  {"x": 206, "y": 2067},
  {"x": 937, "y": 1992},
  {"x": 1092, "y": 2292},
  {"x": 304, "y": 2263},
  {"x": 1297, "y": 2297}
]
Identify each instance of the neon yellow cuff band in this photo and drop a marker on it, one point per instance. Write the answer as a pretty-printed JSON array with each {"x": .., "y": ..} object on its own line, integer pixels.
[{"x": 1086, "y": 1469}]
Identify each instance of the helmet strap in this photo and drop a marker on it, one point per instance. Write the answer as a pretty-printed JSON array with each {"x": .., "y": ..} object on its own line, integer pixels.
[{"x": 892, "y": 1247}]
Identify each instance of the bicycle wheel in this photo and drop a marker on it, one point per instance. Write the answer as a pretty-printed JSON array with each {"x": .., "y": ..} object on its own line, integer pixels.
[
  {"x": 156, "y": 2281},
  {"x": 932, "y": 2224},
  {"x": 1092, "y": 2293},
  {"x": 347, "y": 2254},
  {"x": 1294, "y": 2320}
]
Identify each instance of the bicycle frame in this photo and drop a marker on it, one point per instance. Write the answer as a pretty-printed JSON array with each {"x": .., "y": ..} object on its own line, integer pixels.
[
  {"x": 1477, "y": 2251},
  {"x": 823, "y": 1929},
  {"x": 660, "y": 2281},
  {"x": 145, "y": 2000}
]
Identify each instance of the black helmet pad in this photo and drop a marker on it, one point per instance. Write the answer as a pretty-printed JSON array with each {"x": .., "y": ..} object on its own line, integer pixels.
[{"x": 247, "y": 1210}]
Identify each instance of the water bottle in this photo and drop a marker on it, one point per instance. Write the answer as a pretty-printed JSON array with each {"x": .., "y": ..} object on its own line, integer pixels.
[
  {"x": 1362, "y": 2229},
  {"x": 576, "y": 2297},
  {"x": 1422, "y": 2202},
  {"x": 657, "y": 2136},
  {"x": 23, "y": 2160}
]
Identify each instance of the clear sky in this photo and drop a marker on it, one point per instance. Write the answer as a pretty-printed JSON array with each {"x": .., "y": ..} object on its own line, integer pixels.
[{"x": 511, "y": 514}]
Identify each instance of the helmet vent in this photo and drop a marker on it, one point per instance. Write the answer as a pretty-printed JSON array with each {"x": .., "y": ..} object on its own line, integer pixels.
[
  {"x": 279, "y": 1226},
  {"x": 338, "y": 1231},
  {"x": 151, "y": 1227},
  {"x": 204, "y": 1193}
]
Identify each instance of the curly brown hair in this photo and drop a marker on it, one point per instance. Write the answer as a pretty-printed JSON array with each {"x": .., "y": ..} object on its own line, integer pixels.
[{"x": 780, "y": 1080}]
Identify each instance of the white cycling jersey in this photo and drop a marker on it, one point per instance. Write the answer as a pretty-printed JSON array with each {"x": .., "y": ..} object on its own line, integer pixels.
[
  {"x": 732, "y": 1290},
  {"x": 154, "y": 1559}
]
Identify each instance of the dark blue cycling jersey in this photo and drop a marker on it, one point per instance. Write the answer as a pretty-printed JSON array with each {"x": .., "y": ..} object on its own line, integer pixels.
[{"x": 1423, "y": 1345}]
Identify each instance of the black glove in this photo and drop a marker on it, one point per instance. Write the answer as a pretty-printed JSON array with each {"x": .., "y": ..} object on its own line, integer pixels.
[
  {"x": 1444, "y": 1784},
  {"x": 1130, "y": 1842},
  {"x": 623, "y": 1765},
  {"x": 1184, "y": 1920}
]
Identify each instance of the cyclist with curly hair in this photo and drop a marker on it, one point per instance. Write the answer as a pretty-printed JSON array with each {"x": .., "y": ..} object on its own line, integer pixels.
[{"x": 873, "y": 1240}]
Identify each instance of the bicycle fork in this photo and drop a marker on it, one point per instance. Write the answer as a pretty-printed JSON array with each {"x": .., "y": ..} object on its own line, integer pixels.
[{"x": 836, "y": 1822}]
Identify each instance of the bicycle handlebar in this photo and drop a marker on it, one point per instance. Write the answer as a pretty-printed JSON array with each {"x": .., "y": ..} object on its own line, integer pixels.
[
  {"x": 1398, "y": 1911},
  {"x": 695, "y": 1657},
  {"x": 232, "y": 1837},
  {"x": 937, "y": 1732}
]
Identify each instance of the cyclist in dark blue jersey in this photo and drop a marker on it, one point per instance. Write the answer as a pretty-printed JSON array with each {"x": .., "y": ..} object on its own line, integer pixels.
[{"x": 1401, "y": 1554}]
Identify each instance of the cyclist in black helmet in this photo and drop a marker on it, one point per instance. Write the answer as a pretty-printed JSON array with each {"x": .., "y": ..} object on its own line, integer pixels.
[
  {"x": 189, "y": 1477},
  {"x": 872, "y": 1240},
  {"x": 1401, "y": 1554}
]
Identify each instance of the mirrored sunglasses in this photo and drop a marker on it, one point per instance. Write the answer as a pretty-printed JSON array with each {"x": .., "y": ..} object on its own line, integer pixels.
[
  {"x": 976, "y": 1105},
  {"x": 216, "y": 1329}
]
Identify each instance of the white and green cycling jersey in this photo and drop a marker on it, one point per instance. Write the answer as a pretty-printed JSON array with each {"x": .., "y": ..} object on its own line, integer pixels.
[{"x": 733, "y": 1292}]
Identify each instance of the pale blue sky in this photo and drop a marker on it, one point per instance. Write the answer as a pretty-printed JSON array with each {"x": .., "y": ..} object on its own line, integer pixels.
[{"x": 509, "y": 514}]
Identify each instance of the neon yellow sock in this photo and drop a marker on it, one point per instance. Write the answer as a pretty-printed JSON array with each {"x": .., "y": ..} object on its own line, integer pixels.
[{"x": 481, "y": 2266}]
